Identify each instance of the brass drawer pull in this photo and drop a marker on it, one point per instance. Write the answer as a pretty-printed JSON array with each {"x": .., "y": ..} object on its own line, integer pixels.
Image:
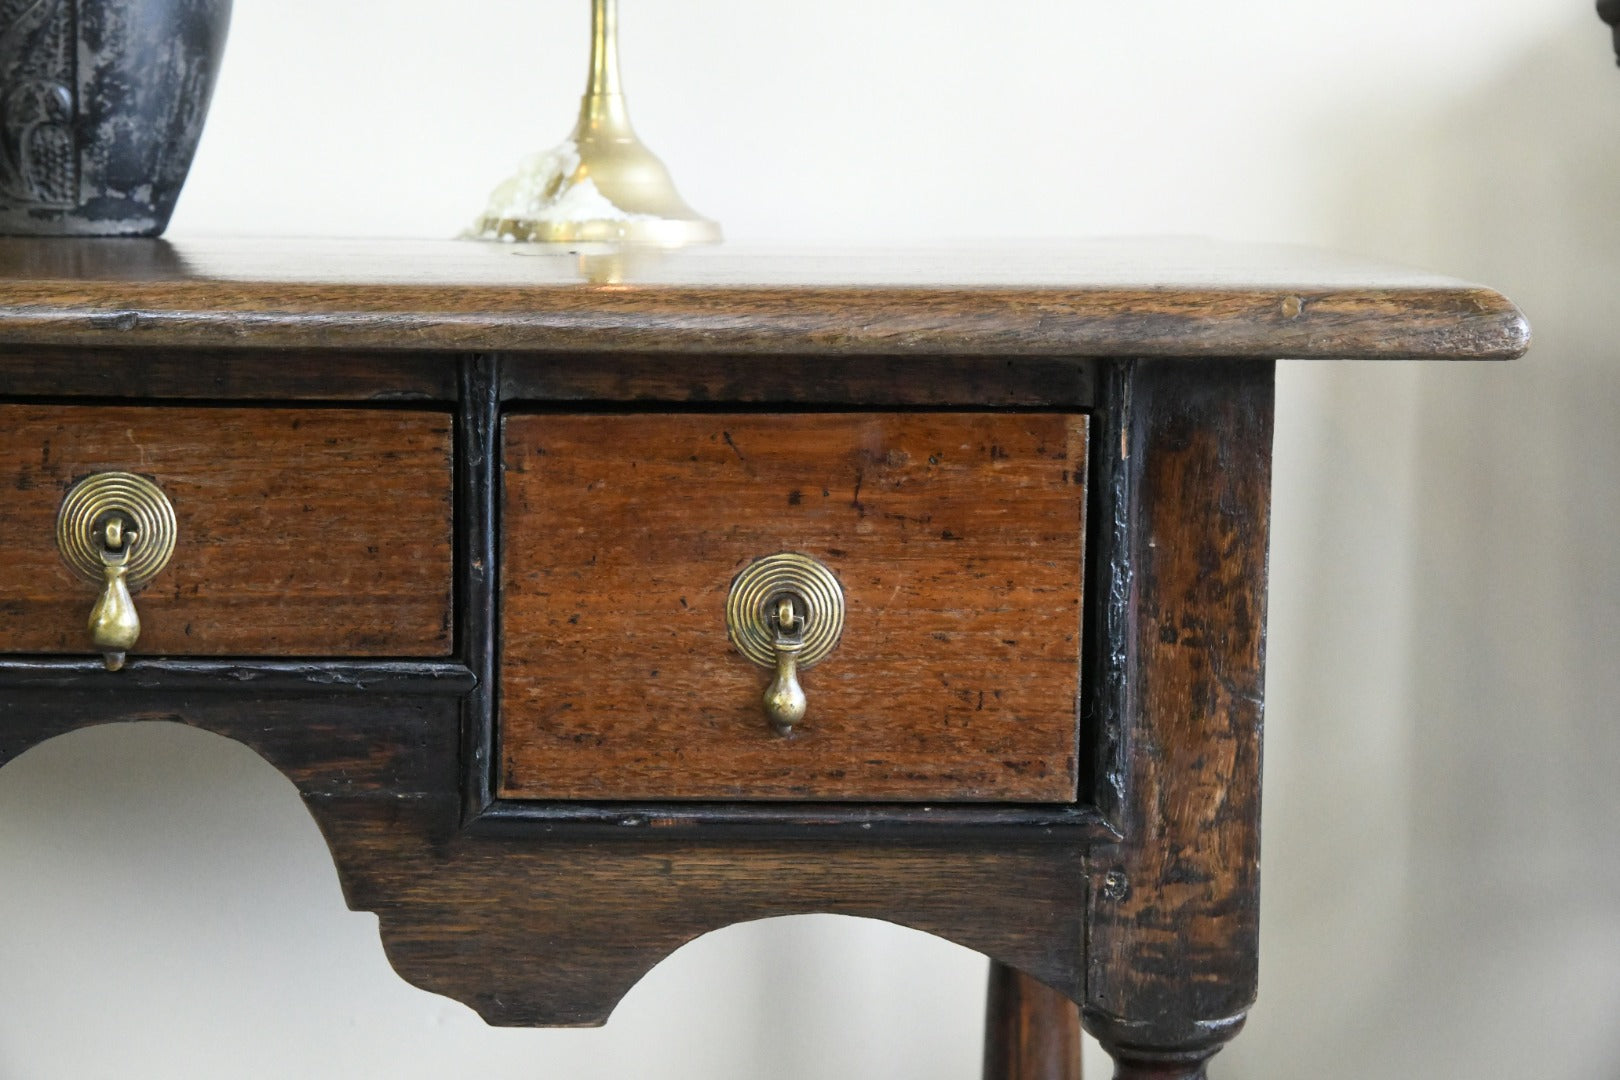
[
  {"x": 117, "y": 530},
  {"x": 785, "y": 612}
]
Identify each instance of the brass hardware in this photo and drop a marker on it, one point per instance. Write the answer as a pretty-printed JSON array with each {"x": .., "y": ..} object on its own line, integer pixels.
[
  {"x": 117, "y": 530},
  {"x": 115, "y": 625},
  {"x": 602, "y": 186},
  {"x": 786, "y": 613},
  {"x": 785, "y": 702}
]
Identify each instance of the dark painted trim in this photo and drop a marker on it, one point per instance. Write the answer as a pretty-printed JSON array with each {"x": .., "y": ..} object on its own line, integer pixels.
[
  {"x": 381, "y": 677},
  {"x": 908, "y": 823},
  {"x": 1103, "y": 749},
  {"x": 478, "y": 462}
]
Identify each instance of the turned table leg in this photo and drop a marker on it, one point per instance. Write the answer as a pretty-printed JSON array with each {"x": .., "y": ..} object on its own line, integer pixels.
[
  {"x": 1173, "y": 907},
  {"x": 1158, "y": 1058},
  {"x": 1031, "y": 1031}
]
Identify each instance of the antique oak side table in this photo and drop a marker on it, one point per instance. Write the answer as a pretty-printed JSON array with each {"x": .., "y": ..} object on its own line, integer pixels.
[{"x": 594, "y": 603}]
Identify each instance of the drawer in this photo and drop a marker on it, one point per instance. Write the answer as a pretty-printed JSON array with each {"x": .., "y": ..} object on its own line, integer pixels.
[
  {"x": 300, "y": 532},
  {"x": 957, "y": 540}
]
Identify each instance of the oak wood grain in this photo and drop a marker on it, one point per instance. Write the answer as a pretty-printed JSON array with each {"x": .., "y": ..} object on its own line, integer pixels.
[
  {"x": 794, "y": 379},
  {"x": 1031, "y": 1032},
  {"x": 301, "y": 532},
  {"x": 1174, "y": 907},
  {"x": 691, "y": 380},
  {"x": 555, "y": 932},
  {"x": 1142, "y": 906},
  {"x": 1103, "y": 298},
  {"x": 958, "y": 539},
  {"x": 220, "y": 374}
]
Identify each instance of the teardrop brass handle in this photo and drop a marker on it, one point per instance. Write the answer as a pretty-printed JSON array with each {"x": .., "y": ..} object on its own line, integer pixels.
[
  {"x": 117, "y": 530},
  {"x": 786, "y": 613},
  {"x": 115, "y": 625},
  {"x": 785, "y": 702}
]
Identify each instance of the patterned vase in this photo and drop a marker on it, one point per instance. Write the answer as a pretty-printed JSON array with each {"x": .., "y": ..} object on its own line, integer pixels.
[{"x": 101, "y": 106}]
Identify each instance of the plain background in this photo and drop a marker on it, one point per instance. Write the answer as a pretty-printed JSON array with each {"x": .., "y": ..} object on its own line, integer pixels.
[{"x": 1442, "y": 896}]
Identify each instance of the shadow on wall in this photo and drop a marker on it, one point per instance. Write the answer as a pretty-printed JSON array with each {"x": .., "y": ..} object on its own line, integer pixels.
[{"x": 1478, "y": 811}]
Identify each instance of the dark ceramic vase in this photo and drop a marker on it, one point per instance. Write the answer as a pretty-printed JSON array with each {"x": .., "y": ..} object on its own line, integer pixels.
[{"x": 101, "y": 106}]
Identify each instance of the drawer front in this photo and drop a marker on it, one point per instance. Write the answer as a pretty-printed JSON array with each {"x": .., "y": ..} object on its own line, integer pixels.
[
  {"x": 300, "y": 532},
  {"x": 957, "y": 540}
]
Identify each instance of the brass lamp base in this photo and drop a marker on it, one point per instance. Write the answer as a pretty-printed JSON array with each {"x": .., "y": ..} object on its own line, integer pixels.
[
  {"x": 649, "y": 233},
  {"x": 602, "y": 186}
]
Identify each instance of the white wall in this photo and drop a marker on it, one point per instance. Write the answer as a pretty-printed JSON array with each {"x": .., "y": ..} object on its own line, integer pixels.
[{"x": 1441, "y": 877}]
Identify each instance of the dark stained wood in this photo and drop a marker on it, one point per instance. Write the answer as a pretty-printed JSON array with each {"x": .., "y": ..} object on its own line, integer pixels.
[
  {"x": 1031, "y": 823},
  {"x": 845, "y": 381},
  {"x": 1098, "y": 299},
  {"x": 1137, "y": 899},
  {"x": 958, "y": 538},
  {"x": 1031, "y": 1031},
  {"x": 225, "y": 374},
  {"x": 241, "y": 676},
  {"x": 301, "y": 532},
  {"x": 380, "y": 748},
  {"x": 230, "y": 375},
  {"x": 1174, "y": 907},
  {"x": 1103, "y": 760},
  {"x": 478, "y": 456},
  {"x": 556, "y": 932}
]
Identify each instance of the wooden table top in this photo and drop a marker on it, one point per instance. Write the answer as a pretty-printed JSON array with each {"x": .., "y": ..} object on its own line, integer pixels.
[{"x": 1144, "y": 298}]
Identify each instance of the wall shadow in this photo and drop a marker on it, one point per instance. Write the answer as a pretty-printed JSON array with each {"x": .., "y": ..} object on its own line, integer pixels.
[{"x": 1483, "y": 816}]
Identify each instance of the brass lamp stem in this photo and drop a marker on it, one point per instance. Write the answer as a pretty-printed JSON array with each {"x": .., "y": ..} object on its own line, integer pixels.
[
  {"x": 604, "y": 113},
  {"x": 604, "y": 78}
]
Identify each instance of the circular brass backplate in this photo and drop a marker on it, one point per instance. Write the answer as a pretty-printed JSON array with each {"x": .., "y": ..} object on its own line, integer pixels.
[
  {"x": 757, "y": 589},
  {"x": 97, "y": 497}
]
